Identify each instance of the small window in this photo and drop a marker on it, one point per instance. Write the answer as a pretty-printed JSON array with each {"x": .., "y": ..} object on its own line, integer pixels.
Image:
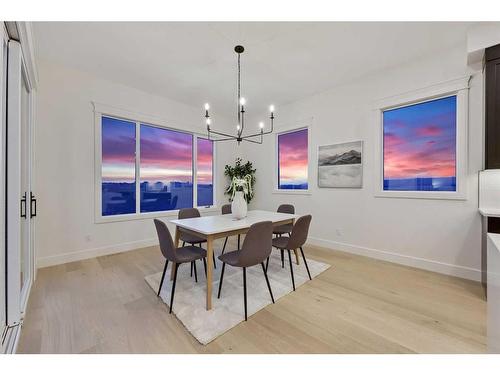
[
  {"x": 118, "y": 167},
  {"x": 419, "y": 146},
  {"x": 166, "y": 169},
  {"x": 293, "y": 160},
  {"x": 204, "y": 172}
]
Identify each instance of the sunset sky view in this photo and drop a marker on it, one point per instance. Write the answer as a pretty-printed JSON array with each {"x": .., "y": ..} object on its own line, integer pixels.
[
  {"x": 420, "y": 140},
  {"x": 166, "y": 155},
  {"x": 293, "y": 158},
  {"x": 118, "y": 150},
  {"x": 204, "y": 161}
]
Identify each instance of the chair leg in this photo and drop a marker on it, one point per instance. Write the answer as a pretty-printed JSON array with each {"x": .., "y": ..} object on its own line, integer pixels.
[
  {"x": 191, "y": 269},
  {"x": 205, "y": 266},
  {"x": 305, "y": 262},
  {"x": 195, "y": 273},
  {"x": 183, "y": 243},
  {"x": 267, "y": 263},
  {"x": 245, "y": 290},
  {"x": 221, "y": 278},
  {"x": 163, "y": 276},
  {"x": 238, "y": 241},
  {"x": 224, "y": 247},
  {"x": 173, "y": 287},
  {"x": 291, "y": 268},
  {"x": 267, "y": 281},
  {"x": 282, "y": 258}
]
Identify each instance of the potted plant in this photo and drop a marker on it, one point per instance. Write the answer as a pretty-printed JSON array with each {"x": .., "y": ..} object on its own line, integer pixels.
[{"x": 240, "y": 189}]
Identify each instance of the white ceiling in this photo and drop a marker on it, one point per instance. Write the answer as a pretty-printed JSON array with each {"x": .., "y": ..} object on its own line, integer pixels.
[{"x": 195, "y": 62}]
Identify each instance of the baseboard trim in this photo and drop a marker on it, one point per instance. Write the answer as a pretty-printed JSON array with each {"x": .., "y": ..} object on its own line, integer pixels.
[
  {"x": 74, "y": 256},
  {"x": 426, "y": 264}
]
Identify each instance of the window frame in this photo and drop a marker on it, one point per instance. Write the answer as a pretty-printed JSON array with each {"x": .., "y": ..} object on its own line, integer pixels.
[
  {"x": 290, "y": 129},
  {"x": 460, "y": 89},
  {"x": 101, "y": 110}
]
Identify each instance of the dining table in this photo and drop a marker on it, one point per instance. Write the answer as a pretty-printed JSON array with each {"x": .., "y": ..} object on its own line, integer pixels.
[{"x": 214, "y": 227}]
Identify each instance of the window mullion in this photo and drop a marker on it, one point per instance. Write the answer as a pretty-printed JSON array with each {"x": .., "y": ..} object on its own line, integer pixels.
[
  {"x": 137, "y": 168},
  {"x": 195, "y": 170}
]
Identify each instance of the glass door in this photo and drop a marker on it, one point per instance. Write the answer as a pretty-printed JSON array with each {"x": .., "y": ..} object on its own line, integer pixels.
[
  {"x": 25, "y": 250},
  {"x": 19, "y": 247}
]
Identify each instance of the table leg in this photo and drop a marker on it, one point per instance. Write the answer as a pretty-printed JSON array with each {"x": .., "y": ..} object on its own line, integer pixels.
[
  {"x": 210, "y": 266},
  {"x": 176, "y": 245}
]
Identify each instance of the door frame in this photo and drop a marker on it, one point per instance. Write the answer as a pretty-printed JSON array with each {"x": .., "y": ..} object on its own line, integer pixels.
[{"x": 3, "y": 129}]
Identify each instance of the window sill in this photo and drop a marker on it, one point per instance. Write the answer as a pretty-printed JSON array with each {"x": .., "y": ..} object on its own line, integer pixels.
[
  {"x": 452, "y": 195},
  {"x": 151, "y": 215},
  {"x": 292, "y": 192}
]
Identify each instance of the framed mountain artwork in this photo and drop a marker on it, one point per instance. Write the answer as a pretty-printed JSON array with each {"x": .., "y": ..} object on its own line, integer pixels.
[{"x": 340, "y": 165}]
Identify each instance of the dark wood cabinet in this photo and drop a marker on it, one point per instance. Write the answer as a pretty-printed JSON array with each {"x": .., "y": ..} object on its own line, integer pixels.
[
  {"x": 492, "y": 82},
  {"x": 492, "y": 134}
]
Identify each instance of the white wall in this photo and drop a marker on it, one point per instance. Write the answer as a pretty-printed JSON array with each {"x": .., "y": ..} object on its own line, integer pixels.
[
  {"x": 440, "y": 235},
  {"x": 64, "y": 163}
]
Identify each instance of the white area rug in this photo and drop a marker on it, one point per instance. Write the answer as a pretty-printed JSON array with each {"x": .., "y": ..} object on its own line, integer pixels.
[{"x": 228, "y": 311}]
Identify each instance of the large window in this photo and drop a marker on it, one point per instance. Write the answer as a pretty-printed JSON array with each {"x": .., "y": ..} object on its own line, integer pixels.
[
  {"x": 421, "y": 143},
  {"x": 420, "y": 146},
  {"x": 293, "y": 160},
  {"x": 146, "y": 168}
]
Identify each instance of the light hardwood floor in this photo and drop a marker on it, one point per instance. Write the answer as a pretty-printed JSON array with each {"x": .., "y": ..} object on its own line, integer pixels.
[{"x": 360, "y": 305}]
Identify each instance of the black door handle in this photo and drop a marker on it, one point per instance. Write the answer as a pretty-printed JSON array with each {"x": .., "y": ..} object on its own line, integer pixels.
[
  {"x": 32, "y": 200},
  {"x": 23, "y": 200}
]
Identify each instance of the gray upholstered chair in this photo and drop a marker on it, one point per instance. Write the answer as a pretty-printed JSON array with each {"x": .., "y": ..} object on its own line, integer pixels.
[
  {"x": 257, "y": 246},
  {"x": 297, "y": 239},
  {"x": 284, "y": 229},
  {"x": 226, "y": 210},
  {"x": 186, "y": 237},
  {"x": 185, "y": 254}
]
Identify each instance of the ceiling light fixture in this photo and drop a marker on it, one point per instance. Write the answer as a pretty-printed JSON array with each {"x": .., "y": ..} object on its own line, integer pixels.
[{"x": 239, "y": 137}]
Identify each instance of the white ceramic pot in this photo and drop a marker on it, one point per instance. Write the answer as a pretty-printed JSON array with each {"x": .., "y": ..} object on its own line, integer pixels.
[{"x": 239, "y": 205}]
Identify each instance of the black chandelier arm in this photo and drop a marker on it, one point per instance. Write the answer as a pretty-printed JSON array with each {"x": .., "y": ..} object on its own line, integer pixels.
[
  {"x": 262, "y": 133},
  {"x": 253, "y": 135},
  {"x": 222, "y": 134},
  {"x": 252, "y": 141},
  {"x": 223, "y": 139}
]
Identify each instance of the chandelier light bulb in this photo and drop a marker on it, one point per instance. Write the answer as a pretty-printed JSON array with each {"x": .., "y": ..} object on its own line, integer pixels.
[
  {"x": 209, "y": 121},
  {"x": 261, "y": 125},
  {"x": 238, "y": 127},
  {"x": 207, "y": 106},
  {"x": 242, "y": 101},
  {"x": 271, "y": 108}
]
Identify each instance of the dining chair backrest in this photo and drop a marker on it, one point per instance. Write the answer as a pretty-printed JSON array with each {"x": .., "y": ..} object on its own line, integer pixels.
[
  {"x": 299, "y": 232},
  {"x": 257, "y": 244},
  {"x": 286, "y": 209},
  {"x": 226, "y": 209},
  {"x": 166, "y": 243},
  {"x": 188, "y": 213}
]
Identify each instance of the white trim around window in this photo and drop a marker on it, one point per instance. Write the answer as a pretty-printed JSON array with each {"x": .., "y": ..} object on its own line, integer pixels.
[
  {"x": 299, "y": 125},
  {"x": 457, "y": 87},
  {"x": 102, "y": 110}
]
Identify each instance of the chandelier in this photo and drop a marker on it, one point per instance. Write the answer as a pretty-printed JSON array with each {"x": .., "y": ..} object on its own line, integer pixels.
[{"x": 239, "y": 137}]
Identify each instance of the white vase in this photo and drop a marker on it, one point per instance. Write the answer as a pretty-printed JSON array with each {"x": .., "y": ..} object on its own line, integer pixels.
[{"x": 239, "y": 206}]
